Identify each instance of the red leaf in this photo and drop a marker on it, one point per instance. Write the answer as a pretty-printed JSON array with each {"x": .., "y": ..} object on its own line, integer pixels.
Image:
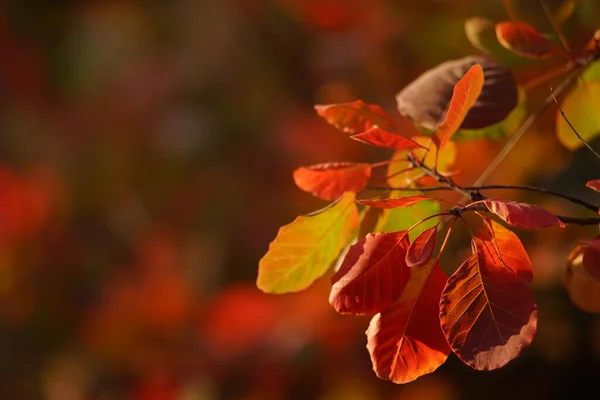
[
  {"x": 594, "y": 184},
  {"x": 522, "y": 215},
  {"x": 524, "y": 40},
  {"x": 372, "y": 274},
  {"x": 396, "y": 203},
  {"x": 422, "y": 247},
  {"x": 405, "y": 341},
  {"x": 465, "y": 94},
  {"x": 591, "y": 258},
  {"x": 329, "y": 181},
  {"x": 382, "y": 138},
  {"x": 487, "y": 313},
  {"x": 505, "y": 248},
  {"x": 355, "y": 117}
]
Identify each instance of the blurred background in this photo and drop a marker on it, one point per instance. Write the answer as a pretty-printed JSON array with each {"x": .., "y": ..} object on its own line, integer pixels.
[{"x": 146, "y": 158}]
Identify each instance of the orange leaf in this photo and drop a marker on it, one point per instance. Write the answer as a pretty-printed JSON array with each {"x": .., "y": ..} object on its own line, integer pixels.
[
  {"x": 405, "y": 341},
  {"x": 584, "y": 290},
  {"x": 382, "y": 138},
  {"x": 464, "y": 96},
  {"x": 355, "y": 117},
  {"x": 524, "y": 40},
  {"x": 329, "y": 181},
  {"x": 487, "y": 313},
  {"x": 396, "y": 203},
  {"x": 522, "y": 215},
  {"x": 594, "y": 184},
  {"x": 372, "y": 274},
  {"x": 422, "y": 247},
  {"x": 591, "y": 258},
  {"x": 505, "y": 248}
]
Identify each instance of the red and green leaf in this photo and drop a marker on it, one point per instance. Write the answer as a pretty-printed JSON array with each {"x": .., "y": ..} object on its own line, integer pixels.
[
  {"x": 524, "y": 40},
  {"x": 522, "y": 215},
  {"x": 355, "y": 117},
  {"x": 372, "y": 275},
  {"x": 331, "y": 180},
  {"x": 487, "y": 313},
  {"x": 465, "y": 94},
  {"x": 421, "y": 249},
  {"x": 304, "y": 250},
  {"x": 382, "y": 138},
  {"x": 405, "y": 341},
  {"x": 395, "y": 203}
]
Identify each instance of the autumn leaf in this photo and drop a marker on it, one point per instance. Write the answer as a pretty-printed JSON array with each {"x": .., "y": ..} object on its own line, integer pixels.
[
  {"x": 405, "y": 341},
  {"x": 593, "y": 184},
  {"x": 464, "y": 96},
  {"x": 372, "y": 274},
  {"x": 304, "y": 249},
  {"x": 382, "y": 138},
  {"x": 580, "y": 106},
  {"x": 395, "y": 203},
  {"x": 533, "y": 11},
  {"x": 584, "y": 290},
  {"x": 524, "y": 40},
  {"x": 487, "y": 313},
  {"x": 591, "y": 258},
  {"x": 522, "y": 215},
  {"x": 421, "y": 249},
  {"x": 355, "y": 117},
  {"x": 425, "y": 100},
  {"x": 503, "y": 246},
  {"x": 329, "y": 181}
]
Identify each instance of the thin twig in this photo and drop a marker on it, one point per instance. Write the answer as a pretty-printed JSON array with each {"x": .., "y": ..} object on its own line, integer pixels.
[{"x": 562, "y": 113}]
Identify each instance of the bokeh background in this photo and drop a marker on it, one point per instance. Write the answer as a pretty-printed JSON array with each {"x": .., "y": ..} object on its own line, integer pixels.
[{"x": 146, "y": 152}]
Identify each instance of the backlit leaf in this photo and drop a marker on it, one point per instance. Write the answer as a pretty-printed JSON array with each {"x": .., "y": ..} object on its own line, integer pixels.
[
  {"x": 395, "y": 203},
  {"x": 591, "y": 258},
  {"x": 304, "y": 249},
  {"x": 421, "y": 248},
  {"x": 329, "y": 181},
  {"x": 524, "y": 40},
  {"x": 372, "y": 274},
  {"x": 583, "y": 289},
  {"x": 504, "y": 247},
  {"x": 355, "y": 117},
  {"x": 522, "y": 215},
  {"x": 405, "y": 341},
  {"x": 593, "y": 184},
  {"x": 487, "y": 313},
  {"x": 382, "y": 138},
  {"x": 481, "y": 32},
  {"x": 581, "y": 107},
  {"x": 464, "y": 96},
  {"x": 426, "y": 99}
]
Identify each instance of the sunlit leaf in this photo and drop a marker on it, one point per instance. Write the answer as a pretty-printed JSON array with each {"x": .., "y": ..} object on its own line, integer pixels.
[
  {"x": 372, "y": 275},
  {"x": 329, "y": 181},
  {"x": 405, "y": 341},
  {"x": 464, "y": 96},
  {"x": 355, "y": 117},
  {"x": 583, "y": 289},
  {"x": 395, "y": 203},
  {"x": 581, "y": 107},
  {"x": 425, "y": 100},
  {"x": 481, "y": 32},
  {"x": 522, "y": 215},
  {"x": 505, "y": 248},
  {"x": 591, "y": 258},
  {"x": 421, "y": 248},
  {"x": 524, "y": 40},
  {"x": 487, "y": 313},
  {"x": 382, "y": 138},
  {"x": 304, "y": 249},
  {"x": 593, "y": 184}
]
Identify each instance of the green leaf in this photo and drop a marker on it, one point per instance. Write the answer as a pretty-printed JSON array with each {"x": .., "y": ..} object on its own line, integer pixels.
[
  {"x": 581, "y": 107},
  {"x": 592, "y": 73},
  {"x": 501, "y": 129},
  {"x": 399, "y": 219},
  {"x": 304, "y": 250}
]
